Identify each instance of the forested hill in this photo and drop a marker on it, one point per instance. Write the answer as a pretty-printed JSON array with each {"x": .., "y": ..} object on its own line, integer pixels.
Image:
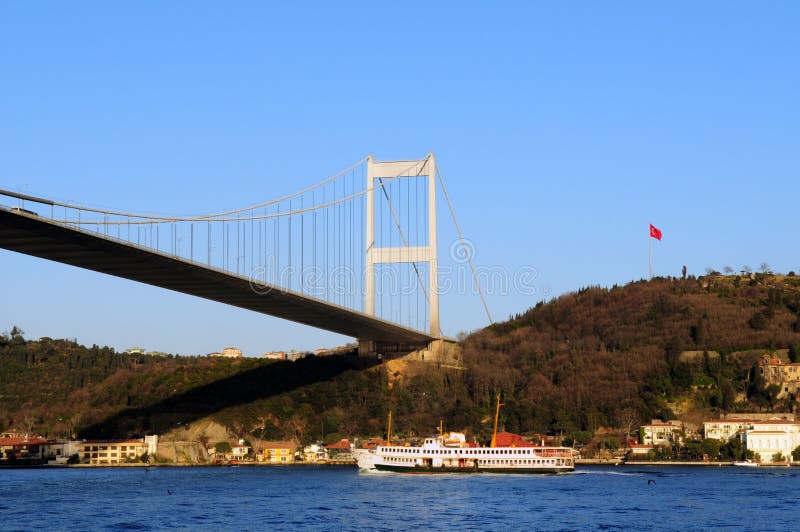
[
  {"x": 595, "y": 358},
  {"x": 599, "y": 357}
]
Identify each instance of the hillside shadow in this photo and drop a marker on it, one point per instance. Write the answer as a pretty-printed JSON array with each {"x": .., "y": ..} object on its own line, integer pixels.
[{"x": 242, "y": 388}]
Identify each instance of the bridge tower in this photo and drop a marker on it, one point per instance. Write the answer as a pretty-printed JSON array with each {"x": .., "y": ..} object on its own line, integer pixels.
[{"x": 376, "y": 171}]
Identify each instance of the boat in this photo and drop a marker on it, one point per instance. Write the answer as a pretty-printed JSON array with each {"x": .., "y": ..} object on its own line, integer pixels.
[
  {"x": 746, "y": 463},
  {"x": 450, "y": 453}
]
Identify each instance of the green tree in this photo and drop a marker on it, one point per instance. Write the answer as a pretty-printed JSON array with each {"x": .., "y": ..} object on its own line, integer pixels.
[
  {"x": 222, "y": 447},
  {"x": 612, "y": 443},
  {"x": 711, "y": 448},
  {"x": 794, "y": 353},
  {"x": 733, "y": 449},
  {"x": 796, "y": 454},
  {"x": 728, "y": 393},
  {"x": 582, "y": 436},
  {"x": 772, "y": 392}
]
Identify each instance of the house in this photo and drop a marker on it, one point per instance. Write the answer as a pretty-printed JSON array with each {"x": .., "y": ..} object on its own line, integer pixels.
[
  {"x": 341, "y": 450},
  {"x": 772, "y": 440},
  {"x": 640, "y": 449},
  {"x": 661, "y": 433},
  {"x": 785, "y": 375},
  {"x": 239, "y": 452},
  {"x": 30, "y": 449},
  {"x": 278, "y": 452},
  {"x": 509, "y": 439},
  {"x": 315, "y": 453}
]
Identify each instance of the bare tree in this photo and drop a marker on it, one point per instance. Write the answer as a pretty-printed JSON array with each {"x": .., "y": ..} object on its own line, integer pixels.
[
  {"x": 72, "y": 424},
  {"x": 297, "y": 424},
  {"x": 628, "y": 417},
  {"x": 764, "y": 268},
  {"x": 728, "y": 270},
  {"x": 28, "y": 423},
  {"x": 747, "y": 269}
]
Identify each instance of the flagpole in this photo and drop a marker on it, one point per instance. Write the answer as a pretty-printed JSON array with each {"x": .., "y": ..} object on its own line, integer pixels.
[{"x": 650, "y": 251}]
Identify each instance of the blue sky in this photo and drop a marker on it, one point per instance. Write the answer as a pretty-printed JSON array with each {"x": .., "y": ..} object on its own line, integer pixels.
[{"x": 562, "y": 129}]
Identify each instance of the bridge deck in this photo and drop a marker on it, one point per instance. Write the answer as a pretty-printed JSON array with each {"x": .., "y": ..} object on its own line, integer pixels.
[{"x": 42, "y": 238}]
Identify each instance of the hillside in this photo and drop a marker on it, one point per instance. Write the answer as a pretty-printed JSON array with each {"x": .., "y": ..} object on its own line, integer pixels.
[{"x": 590, "y": 359}]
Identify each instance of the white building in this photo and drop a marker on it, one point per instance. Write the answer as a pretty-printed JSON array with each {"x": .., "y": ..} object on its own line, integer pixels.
[
  {"x": 240, "y": 451},
  {"x": 768, "y": 438},
  {"x": 735, "y": 424},
  {"x": 724, "y": 429},
  {"x": 661, "y": 433},
  {"x": 59, "y": 452},
  {"x": 315, "y": 453},
  {"x": 228, "y": 352}
]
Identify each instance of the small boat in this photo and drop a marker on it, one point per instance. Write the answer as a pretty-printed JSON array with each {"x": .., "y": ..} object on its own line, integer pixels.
[
  {"x": 450, "y": 453},
  {"x": 746, "y": 463}
]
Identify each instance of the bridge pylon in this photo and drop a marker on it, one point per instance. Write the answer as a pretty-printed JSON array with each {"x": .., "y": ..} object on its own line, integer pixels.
[{"x": 407, "y": 253}]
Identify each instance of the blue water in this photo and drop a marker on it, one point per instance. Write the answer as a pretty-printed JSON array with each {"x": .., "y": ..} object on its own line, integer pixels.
[{"x": 333, "y": 498}]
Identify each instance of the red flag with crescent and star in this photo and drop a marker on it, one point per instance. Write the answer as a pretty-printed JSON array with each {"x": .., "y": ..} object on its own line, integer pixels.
[{"x": 655, "y": 232}]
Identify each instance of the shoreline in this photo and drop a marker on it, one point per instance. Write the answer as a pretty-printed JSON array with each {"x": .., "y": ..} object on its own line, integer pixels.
[
  {"x": 660, "y": 463},
  {"x": 174, "y": 464}
]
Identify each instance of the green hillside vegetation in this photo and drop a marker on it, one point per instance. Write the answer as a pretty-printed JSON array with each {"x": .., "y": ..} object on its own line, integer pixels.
[{"x": 591, "y": 359}]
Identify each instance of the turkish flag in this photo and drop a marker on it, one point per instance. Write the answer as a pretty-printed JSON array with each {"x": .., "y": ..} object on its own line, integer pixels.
[{"x": 655, "y": 232}]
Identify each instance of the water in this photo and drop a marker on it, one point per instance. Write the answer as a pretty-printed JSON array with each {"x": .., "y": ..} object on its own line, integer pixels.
[{"x": 333, "y": 498}]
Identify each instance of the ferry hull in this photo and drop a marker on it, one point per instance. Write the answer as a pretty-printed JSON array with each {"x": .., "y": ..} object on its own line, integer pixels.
[{"x": 470, "y": 470}]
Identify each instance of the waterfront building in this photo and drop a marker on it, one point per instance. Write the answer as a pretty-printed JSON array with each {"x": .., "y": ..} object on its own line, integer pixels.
[
  {"x": 22, "y": 448},
  {"x": 640, "y": 449},
  {"x": 341, "y": 450},
  {"x": 108, "y": 452},
  {"x": 731, "y": 425},
  {"x": 278, "y": 452},
  {"x": 662, "y": 433},
  {"x": 772, "y": 440},
  {"x": 59, "y": 452},
  {"x": 238, "y": 452},
  {"x": 315, "y": 453}
]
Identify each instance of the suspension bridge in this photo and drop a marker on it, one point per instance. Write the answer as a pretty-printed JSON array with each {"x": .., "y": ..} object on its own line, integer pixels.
[{"x": 354, "y": 254}]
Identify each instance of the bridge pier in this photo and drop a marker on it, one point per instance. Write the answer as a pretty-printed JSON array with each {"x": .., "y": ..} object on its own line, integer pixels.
[{"x": 440, "y": 350}]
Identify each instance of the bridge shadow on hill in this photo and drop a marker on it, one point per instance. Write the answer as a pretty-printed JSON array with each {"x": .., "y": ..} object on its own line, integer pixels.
[{"x": 242, "y": 388}]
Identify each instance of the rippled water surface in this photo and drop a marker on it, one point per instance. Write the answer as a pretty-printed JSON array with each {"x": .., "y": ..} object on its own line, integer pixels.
[{"x": 334, "y": 498}]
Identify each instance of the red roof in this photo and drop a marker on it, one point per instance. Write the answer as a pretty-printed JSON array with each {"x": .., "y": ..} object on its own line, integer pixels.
[
  {"x": 509, "y": 439},
  {"x": 341, "y": 444},
  {"x": 22, "y": 441}
]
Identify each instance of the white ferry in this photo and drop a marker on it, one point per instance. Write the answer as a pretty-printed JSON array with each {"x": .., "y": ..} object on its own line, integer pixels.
[{"x": 450, "y": 453}]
